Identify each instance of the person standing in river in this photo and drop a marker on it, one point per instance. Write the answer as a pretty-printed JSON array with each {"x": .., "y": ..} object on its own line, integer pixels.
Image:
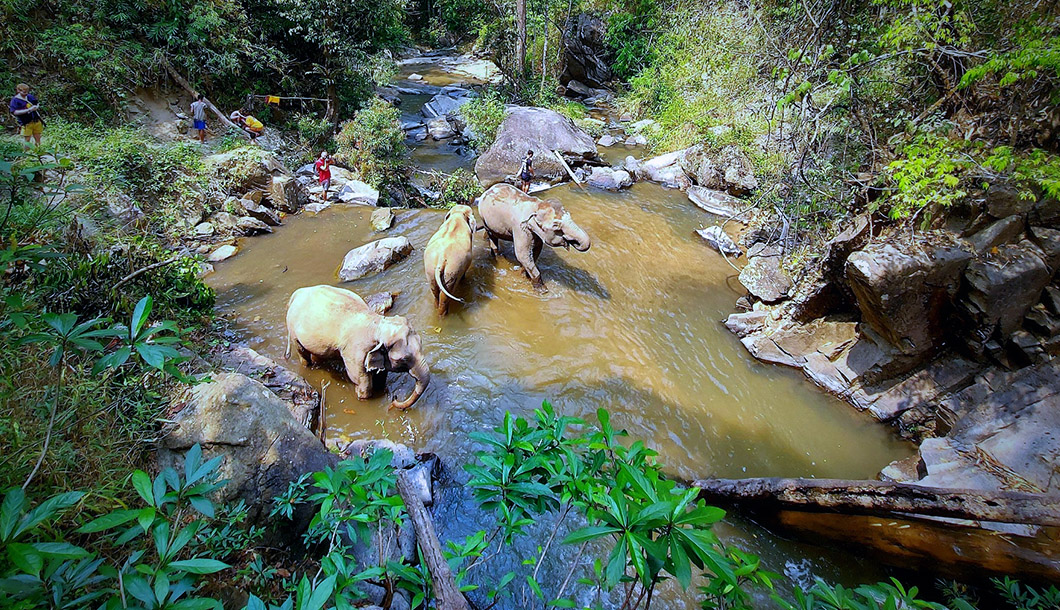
[
  {"x": 323, "y": 167},
  {"x": 24, "y": 106},
  {"x": 198, "y": 115},
  {"x": 526, "y": 172}
]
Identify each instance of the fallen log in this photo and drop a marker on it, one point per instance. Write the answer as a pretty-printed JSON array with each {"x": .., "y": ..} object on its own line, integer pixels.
[
  {"x": 880, "y": 498},
  {"x": 194, "y": 94},
  {"x": 447, "y": 594}
]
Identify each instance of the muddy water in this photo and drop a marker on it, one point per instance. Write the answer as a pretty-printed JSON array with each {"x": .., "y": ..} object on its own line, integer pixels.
[{"x": 632, "y": 325}]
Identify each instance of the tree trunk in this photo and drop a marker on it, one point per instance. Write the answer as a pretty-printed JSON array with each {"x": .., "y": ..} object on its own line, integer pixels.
[
  {"x": 187, "y": 87},
  {"x": 520, "y": 39},
  {"x": 879, "y": 498},
  {"x": 446, "y": 593}
]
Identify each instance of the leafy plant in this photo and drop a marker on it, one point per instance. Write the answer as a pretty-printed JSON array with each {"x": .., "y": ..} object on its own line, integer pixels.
[{"x": 484, "y": 116}]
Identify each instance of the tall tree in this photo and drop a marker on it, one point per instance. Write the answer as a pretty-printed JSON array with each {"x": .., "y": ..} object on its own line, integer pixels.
[{"x": 520, "y": 38}]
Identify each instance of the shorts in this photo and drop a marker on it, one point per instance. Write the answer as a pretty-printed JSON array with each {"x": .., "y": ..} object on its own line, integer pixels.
[
  {"x": 525, "y": 177},
  {"x": 326, "y": 183},
  {"x": 200, "y": 125},
  {"x": 35, "y": 128}
]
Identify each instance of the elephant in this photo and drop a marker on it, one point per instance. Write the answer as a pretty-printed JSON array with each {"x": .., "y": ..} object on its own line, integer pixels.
[
  {"x": 325, "y": 322},
  {"x": 448, "y": 255},
  {"x": 509, "y": 214}
]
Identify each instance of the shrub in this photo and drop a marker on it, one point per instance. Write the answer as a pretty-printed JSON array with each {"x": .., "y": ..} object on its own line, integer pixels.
[
  {"x": 374, "y": 144},
  {"x": 484, "y": 115},
  {"x": 460, "y": 187}
]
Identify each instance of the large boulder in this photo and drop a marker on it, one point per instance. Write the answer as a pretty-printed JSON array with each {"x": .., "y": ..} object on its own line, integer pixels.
[
  {"x": 440, "y": 129},
  {"x": 720, "y": 203},
  {"x": 373, "y": 257},
  {"x": 540, "y": 130},
  {"x": 444, "y": 104},
  {"x": 357, "y": 192},
  {"x": 264, "y": 447},
  {"x": 609, "y": 179},
  {"x": 245, "y": 169},
  {"x": 728, "y": 169},
  {"x": 666, "y": 170},
  {"x": 999, "y": 290},
  {"x": 302, "y": 400},
  {"x": 585, "y": 53},
  {"x": 287, "y": 194},
  {"x": 763, "y": 276},
  {"x": 906, "y": 294}
]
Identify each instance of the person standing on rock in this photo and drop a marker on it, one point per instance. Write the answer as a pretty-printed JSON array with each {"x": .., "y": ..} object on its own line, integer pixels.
[
  {"x": 323, "y": 167},
  {"x": 526, "y": 172},
  {"x": 24, "y": 106},
  {"x": 198, "y": 115}
]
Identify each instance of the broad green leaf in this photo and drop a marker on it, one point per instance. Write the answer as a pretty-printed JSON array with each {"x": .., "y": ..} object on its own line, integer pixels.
[
  {"x": 590, "y": 533},
  {"x": 108, "y": 521},
  {"x": 142, "y": 483},
  {"x": 10, "y": 511},
  {"x": 198, "y": 566},
  {"x": 25, "y": 558}
]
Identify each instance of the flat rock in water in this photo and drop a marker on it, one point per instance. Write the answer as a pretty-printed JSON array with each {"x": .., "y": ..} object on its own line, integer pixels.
[
  {"x": 444, "y": 104},
  {"x": 358, "y": 192},
  {"x": 719, "y": 203},
  {"x": 763, "y": 276},
  {"x": 223, "y": 253},
  {"x": 380, "y": 302},
  {"x": 382, "y": 219},
  {"x": 637, "y": 140},
  {"x": 719, "y": 240},
  {"x": 607, "y": 140},
  {"x": 609, "y": 179},
  {"x": 374, "y": 257},
  {"x": 317, "y": 206},
  {"x": 415, "y": 76},
  {"x": 440, "y": 128},
  {"x": 252, "y": 226}
]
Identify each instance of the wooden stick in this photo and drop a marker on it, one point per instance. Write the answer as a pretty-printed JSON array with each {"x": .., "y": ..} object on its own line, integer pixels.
[
  {"x": 446, "y": 593},
  {"x": 322, "y": 422},
  {"x": 142, "y": 270},
  {"x": 877, "y": 497},
  {"x": 563, "y": 162},
  {"x": 195, "y": 94}
]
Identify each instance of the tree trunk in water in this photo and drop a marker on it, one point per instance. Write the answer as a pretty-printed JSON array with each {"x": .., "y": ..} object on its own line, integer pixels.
[
  {"x": 446, "y": 592},
  {"x": 879, "y": 498},
  {"x": 520, "y": 39}
]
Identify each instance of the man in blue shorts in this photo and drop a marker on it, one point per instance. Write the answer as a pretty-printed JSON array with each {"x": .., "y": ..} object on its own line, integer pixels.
[{"x": 198, "y": 114}]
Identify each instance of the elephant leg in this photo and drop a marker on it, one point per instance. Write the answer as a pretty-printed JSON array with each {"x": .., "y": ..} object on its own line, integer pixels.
[
  {"x": 443, "y": 304},
  {"x": 361, "y": 379},
  {"x": 379, "y": 379},
  {"x": 491, "y": 239},
  {"x": 527, "y": 246},
  {"x": 304, "y": 355}
]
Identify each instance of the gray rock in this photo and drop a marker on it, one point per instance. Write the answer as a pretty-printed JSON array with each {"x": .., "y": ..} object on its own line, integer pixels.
[
  {"x": 763, "y": 275},
  {"x": 999, "y": 290},
  {"x": 444, "y": 105},
  {"x": 440, "y": 128},
  {"x": 906, "y": 294},
  {"x": 631, "y": 165},
  {"x": 123, "y": 208},
  {"x": 727, "y": 170},
  {"x": 586, "y": 57},
  {"x": 717, "y": 238},
  {"x": 1004, "y": 231},
  {"x": 300, "y": 397},
  {"x": 1003, "y": 200},
  {"x": 609, "y": 179},
  {"x": 666, "y": 170},
  {"x": 260, "y": 212},
  {"x": 204, "y": 229},
  {"x": 382, "y": 219},
  {"x": 403, "y": 457},
  {"x": 380, "y": 302},
  {"x": 223, "y": 253},
  {"x": 637, "y": 140},
  {"x": 720, "y": 203},
  {"x": 373, "y": 257},
  {"x": 263, "y": 446},
  {"x": 252, "y": 226},
  {"x": 247, "y": 169},
  {"x": 643, "y": 125},
  {"x": 607, "y": 140},
  {"x": 419, "y": 479},
  {"x": 579, "y": 89},
  {"x": 317, "y": 206},
  {"x": 743, "y": 324},
  {"x": 1048, "y": 241},
  {"x": 357, "y": 192},
  {"x": 415, "y": 77},
  {"x": 537, "y": 129},
  {"x": 287, "y": 194}
]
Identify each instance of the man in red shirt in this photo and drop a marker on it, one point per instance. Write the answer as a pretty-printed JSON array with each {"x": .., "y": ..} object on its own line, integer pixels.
[{"x": 323, "y": 167}]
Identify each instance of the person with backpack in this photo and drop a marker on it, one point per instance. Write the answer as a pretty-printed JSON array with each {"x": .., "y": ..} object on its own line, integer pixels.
[
  {"x": 526, "y": 172},
  {"x": 24, "y": 106},
  {"x": 323, "y": 167}
]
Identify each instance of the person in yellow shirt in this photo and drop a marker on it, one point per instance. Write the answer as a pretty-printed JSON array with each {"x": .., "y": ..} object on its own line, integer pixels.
[{"x": 250, "y": 124}]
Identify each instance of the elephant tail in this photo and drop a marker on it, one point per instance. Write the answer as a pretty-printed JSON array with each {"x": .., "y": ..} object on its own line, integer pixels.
[{"x": 441, "y": 284}]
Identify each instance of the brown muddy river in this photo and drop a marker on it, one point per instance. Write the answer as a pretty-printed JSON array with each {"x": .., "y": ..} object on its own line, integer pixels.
[{"x": 633, "y": 325}]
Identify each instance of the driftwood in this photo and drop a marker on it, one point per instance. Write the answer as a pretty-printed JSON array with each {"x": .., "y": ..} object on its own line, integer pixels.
[
  {"x": 447, "y": 595},
  {"x": 879, "y": 498},
  {"x": 194, "y": 94},
  {"x": 563, "y": 162}
]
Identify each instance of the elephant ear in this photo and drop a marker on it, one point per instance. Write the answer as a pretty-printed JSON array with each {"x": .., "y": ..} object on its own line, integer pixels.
[
  {"x": 545, "y": 213},
  {"x": 375, "y": 360}
]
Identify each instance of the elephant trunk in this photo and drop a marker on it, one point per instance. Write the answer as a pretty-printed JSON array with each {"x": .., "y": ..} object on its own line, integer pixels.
[{"x": 422, "y": 374}]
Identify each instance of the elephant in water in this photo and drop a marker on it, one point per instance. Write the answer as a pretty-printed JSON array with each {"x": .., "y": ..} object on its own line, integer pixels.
[
  {"x": 528, "y": 222},
  {"x": 448, "y": 255},
  {"x": 324, "y": 322}
]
